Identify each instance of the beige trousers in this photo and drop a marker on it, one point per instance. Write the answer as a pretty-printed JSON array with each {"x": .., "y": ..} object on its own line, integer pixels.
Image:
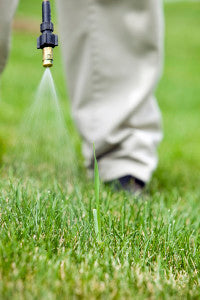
[
  {"x": 113, "y": 57},
  {"x": 7, "y": 10}
]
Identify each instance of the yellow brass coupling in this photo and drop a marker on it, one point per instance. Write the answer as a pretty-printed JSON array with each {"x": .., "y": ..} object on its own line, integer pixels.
[{"x": 47, "y": 57}]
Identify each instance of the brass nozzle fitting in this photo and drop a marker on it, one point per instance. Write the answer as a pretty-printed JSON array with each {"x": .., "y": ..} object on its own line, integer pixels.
[{"x": 47, "y": 57}]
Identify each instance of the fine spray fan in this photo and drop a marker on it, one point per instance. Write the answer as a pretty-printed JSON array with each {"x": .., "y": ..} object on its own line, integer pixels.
[{"x": 47, "y": 41}]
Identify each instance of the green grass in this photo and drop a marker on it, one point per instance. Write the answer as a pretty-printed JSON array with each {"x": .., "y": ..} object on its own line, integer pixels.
[
  {"x": 33, "y": 9},
  {"x": 149, "y": 248}
]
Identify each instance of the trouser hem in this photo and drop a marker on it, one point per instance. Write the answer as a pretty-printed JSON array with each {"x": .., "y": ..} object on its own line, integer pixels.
[{"x": 114, "y": 169}]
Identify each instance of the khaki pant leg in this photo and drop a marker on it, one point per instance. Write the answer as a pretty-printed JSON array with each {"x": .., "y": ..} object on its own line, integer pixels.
[
  {"x": 7, "y": 10},
  {"x": 113, "y": 58}
]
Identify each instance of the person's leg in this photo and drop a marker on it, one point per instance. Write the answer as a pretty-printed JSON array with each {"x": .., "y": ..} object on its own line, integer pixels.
[
  {"x": 113, "y": 57},
  {"x": 7, "y": 10}
]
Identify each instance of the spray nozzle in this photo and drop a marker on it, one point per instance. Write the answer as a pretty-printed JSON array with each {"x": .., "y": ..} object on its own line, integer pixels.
[{"x": 47, "y": 41}]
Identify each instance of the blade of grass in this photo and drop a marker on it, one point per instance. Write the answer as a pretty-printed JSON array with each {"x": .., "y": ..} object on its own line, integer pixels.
[
  {"x": 96, "y": 227},
  {"x": 97, "y": 200}
]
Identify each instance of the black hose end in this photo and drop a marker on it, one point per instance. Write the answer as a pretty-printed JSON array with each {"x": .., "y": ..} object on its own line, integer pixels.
[{"x": 47, "y": 38}]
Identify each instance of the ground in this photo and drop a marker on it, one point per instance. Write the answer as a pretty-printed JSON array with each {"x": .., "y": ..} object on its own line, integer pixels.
[{"x": 149, "y": 247}]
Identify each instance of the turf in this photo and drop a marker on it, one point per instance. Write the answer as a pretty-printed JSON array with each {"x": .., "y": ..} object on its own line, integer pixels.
[{"x": 50, "y": 246}]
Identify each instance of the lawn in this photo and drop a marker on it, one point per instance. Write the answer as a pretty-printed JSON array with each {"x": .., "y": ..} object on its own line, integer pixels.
[{"x": 149, "y": 247}]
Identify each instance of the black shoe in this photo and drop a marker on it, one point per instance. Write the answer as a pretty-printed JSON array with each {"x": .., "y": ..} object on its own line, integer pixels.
[{"x": 129, "y": 184}]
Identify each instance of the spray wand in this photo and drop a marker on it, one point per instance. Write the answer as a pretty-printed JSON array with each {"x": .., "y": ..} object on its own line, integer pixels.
[{"x": 47, "y": 41}]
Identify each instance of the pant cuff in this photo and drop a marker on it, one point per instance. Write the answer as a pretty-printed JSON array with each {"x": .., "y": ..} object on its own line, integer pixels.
[{"x": 115, "y": 168}]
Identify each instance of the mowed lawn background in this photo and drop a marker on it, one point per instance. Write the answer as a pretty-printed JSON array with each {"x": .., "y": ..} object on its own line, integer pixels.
[{"x": 150, "y": 247}]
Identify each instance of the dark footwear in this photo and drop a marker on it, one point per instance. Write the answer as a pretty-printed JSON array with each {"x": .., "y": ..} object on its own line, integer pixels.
[{"x": 129, "y": 184}]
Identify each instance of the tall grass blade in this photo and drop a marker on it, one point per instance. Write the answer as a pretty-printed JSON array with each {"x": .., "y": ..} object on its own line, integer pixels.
[
  {"x": 96, "y": 227},
  {"x": 97, "y": 200}
]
